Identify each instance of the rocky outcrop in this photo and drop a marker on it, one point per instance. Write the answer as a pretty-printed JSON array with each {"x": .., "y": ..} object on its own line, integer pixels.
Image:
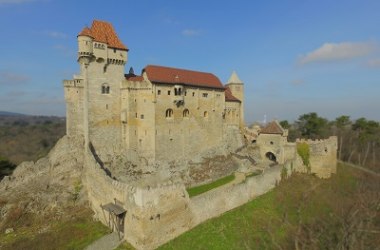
[{"x": 51, "y": 183}]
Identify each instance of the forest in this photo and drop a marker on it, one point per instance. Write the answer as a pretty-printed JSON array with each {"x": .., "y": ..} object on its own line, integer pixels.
[{"x": 358, "y": 140}]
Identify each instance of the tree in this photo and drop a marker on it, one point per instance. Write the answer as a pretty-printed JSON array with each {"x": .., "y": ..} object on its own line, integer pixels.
[
  {"x": 285, "y": 124},
  {"x": 312, "y": 126},
  {"x": 341, "y": 123},
  {"x": 6, "y": 167}
]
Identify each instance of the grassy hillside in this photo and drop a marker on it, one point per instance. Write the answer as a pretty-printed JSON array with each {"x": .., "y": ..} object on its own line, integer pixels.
[
  {"x": 304, "y": 212},
  {"x": 75, "y": 229}
]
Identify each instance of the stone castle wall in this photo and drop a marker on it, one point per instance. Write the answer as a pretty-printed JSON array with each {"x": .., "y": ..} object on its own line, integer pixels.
[
  {"x": 158, "y": 214},
  {"x": 323, "y": 156}
]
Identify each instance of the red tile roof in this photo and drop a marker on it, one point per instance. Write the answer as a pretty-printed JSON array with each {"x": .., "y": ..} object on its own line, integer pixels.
[
  {"x": 229, "y": 97},
  {"x": 103, "y": 32},
  {"x": 272, "y": 128},
  {"x": 134, "y": 78},
  {"x": 166, "y": 75},
  {"x": 85, "y": 32}
]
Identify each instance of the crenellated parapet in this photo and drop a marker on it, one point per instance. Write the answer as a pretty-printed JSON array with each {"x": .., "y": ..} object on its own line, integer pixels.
[{"x": 76, "y": 83}]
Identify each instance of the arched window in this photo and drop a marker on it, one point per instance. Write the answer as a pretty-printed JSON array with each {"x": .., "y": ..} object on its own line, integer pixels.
[
  {"x": 205, "y": 114},
  {"x": 169, "y": 113},
  {"x": 105, "y": 88},
  {"x": 186, "y": 113}
]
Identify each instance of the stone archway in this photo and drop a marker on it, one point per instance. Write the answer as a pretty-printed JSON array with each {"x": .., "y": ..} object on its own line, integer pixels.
[{"x": 270, "y": 156}]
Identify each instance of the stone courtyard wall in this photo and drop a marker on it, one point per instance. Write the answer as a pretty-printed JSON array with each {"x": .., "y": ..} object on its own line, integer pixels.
[
  {"x": 217, "y": 201},
  {"x": 157, "y": 214}
]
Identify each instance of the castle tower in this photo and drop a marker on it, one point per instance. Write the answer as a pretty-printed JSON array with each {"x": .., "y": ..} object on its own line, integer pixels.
[
  {"x": 237, "y": 88},
  {"x": 102, "y": 57}
]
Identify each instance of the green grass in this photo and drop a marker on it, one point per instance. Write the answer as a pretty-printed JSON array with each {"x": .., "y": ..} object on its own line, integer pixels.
[
  {"x": 75, "y": 233},
  {"x": 300, "y": 203},
  {"x": 207, "y": 187}
]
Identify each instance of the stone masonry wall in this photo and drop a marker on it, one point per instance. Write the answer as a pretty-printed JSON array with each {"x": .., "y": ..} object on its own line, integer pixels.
[{"x": 323, "y": 156}]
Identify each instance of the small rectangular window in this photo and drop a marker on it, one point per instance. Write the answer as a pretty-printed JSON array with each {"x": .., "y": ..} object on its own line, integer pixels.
[
  {"x": 159, "y": 92},
  {"x": 205, "y": 95},
  {"x": 193, "y": 93},
  {"x": 142, "y": 116},
  {"x": 136, "y": 115},
  {"x": 168, "y": 92}
]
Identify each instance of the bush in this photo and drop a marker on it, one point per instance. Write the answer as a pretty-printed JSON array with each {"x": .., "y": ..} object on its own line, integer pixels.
[{"x": 303, "y": 151}]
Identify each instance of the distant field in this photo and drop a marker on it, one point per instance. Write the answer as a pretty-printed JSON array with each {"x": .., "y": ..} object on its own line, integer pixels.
[
  {"x": 25, "y": 138},
  {"x": 304, "y": 211}
]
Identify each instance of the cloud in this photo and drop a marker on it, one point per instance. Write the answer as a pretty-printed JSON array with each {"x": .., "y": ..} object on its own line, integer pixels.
[
  {"x": 190, "y": 32},
  {"x": 12, "y": 78},
  {"x": 329, "y": 52},
  {"x": 66, "y": 51},
  {"x": 297, "y": 82},
  {"x": 55, "y": 34},
  {"x": 374, "y": 63},
  {"x": 4, "y": 2}
]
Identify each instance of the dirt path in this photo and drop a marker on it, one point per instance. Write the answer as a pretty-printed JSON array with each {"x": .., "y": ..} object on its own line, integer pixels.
[
  {"x": 107, "y": 242},
  {"x": 361, "y": 168}
]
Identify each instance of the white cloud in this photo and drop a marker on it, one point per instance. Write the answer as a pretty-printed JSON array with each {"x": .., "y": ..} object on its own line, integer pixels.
[
  {"x": 12, "y": 78},
  {"x": 66, "y": 51},
  {"x": 374, "y": 63},
  {"x": 190, "y": 32},
  {"x": 297, "y": 82},
  {"x": 55, "y": 34},
  {"x": 4, "y": 2},
  {"x": 337, "y": 52}
]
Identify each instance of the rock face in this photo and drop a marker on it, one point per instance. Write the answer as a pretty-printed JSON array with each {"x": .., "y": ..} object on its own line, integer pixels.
[{"x": 53, "y": 182}]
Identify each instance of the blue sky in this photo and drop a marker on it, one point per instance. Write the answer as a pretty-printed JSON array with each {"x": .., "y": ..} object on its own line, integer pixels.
[{"x": 294, "y": 56}]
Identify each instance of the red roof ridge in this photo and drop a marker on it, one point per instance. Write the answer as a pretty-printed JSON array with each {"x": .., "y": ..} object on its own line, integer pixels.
[{"x": 170, "y": 75}]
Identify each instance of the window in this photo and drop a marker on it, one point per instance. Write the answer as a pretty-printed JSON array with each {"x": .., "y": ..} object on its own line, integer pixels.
[
  {"x": 186, "y": 113},
  {"x": 177, "y": 91},
  {"x": 205, "y": 114},
  {"x": 141, "y": 116},
  {"x": 136, "y": 115},
  {"x": 105, "y": 88},
  {"x": 169, "y": 113},
  {"x": 114, "y": 50},
  {"x": 168, "y": 92},
  {"x": 205, "y": 95},
  {"x": 159, "y": 92},
  {"x": 193, "y": 93}
]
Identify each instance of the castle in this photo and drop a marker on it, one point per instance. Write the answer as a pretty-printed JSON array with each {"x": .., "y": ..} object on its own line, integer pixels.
[
  {"x": 164, "y": 114},
  {"x": 167, "y": 123}
]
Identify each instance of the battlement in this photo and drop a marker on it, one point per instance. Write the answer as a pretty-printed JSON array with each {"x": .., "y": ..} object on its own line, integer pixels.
[
  {"x": 76, "y": 83},
  {"x": 331, "y": 139}
]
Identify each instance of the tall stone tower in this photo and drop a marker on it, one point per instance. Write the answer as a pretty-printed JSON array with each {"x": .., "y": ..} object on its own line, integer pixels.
[
  {"x": 102, "y": 57},
  {"x": 237, "y": 89}
]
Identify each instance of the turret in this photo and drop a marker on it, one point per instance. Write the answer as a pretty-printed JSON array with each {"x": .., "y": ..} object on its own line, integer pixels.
[
  {"x": 237, "y": 88},
  {"x": 85, "y": 40}
]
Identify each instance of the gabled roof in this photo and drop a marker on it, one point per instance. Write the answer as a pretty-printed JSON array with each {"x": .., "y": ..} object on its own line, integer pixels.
[
  {"x": 272, "y": 128},
  {"x": 229, "y": 97},
  {"x": 167, "y": 75},
  {"x": 234, "y": 78},
  {"x": 103, "y": 32}
]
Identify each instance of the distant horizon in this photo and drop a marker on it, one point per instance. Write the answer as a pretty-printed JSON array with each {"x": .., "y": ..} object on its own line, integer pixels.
[{"x": 293, "y": 57}]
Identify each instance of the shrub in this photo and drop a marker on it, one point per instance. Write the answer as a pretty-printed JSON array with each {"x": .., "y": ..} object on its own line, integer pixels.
[{"x": 303, "y": 151}]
